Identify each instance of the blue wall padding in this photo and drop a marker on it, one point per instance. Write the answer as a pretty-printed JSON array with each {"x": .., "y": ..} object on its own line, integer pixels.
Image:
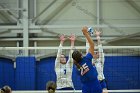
[
  {"x": 7, "y": 73},
  {"x": 45, "y": 72},
  {"x": 122, "y": 72},
  {"x": 25, "y": 73}
]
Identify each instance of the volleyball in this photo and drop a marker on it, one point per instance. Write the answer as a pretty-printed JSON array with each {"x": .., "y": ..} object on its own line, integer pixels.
[{"x": 91, "y": 30}]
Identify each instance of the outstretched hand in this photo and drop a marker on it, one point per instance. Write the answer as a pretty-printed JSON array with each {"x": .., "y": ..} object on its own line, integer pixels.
[
  {"x": 62, "y": 37},
  {"x": 85, "y": 30},
  {"x": 72, "y": 37},
  {"x": 97, "y": 33}
]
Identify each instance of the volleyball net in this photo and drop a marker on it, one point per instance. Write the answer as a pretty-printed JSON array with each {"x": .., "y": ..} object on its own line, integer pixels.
[
  {"x": 38, "y": 51},
  {"x": 30, "y": 68},
  {"x": 79, "y": 91}
]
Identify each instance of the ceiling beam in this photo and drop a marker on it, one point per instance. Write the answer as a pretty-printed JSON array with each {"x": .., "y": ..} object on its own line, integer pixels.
[
  {"x": 58, "y": 34},
  {"x": 55, "y": 12},
  {"x": 30, "y": 31},
  {"x": 2, "y": 17},
  {"x": 134, "y": 5},
  {"x": 53, "y": 38},
  {"x": 4, "y": 32},
  {"x": 8, "y": 14},
  {"x": 80, "y": 26},
  {"x": 36, "y": 18},
  {"x": 121, "y": 37},
  {"x": 69, "y": 26},
  {"x": 10, "y": 27}
]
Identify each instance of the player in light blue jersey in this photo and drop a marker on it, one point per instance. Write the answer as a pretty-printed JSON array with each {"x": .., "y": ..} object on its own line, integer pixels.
[{"x": 87, "y": 73}]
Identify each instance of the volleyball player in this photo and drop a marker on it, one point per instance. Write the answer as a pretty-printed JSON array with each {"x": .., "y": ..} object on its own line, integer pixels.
[
  {"x": 51, "y": 86},
  {"x": 63, "y": 68},
  {"x": 87, "y": 73},
  {"x": 99, "y": 62},
  {"x": 1, "y": 91},
  {"x": 6, "y": 89}
]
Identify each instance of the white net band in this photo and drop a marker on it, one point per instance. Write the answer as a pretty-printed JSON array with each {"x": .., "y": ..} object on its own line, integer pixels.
[
  {"x": 79, "y": 91},
  {"x": 67, "y": 47}
]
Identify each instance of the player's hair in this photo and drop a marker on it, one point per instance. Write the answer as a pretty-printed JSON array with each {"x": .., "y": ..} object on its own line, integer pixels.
[
  {"x": 1, "y": 90},
  {"x": 63, "y": 55},
  {"x": 51, "y": 91},
  {"x": 6, "y": 89},
  {"x": 51, "y": 86},
  {"x": 77, "y": 56}
]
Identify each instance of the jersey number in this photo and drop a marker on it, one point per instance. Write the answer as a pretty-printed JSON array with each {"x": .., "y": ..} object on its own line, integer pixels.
[
  {"x": 84, "y": 69},
  {"x": 64, "y": 71}
]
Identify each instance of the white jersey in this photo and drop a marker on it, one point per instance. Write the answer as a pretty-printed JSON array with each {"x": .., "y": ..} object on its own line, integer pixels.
[
  {"x": 99, "y": 67},
  {"x": 99, "y": 63},
  {"x": 64, "y": 73}
]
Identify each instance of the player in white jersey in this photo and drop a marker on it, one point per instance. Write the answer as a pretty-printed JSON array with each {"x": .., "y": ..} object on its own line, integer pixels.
[
  {"x": 99, "y": 62},
  {"x": 63, "y": 68}
]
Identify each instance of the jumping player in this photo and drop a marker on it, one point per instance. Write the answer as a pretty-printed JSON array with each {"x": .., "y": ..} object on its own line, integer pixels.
[
  {"x": 63, "y": 68},
  {"x": 87, "y": 73},
  {"x": 99, "y": 62}
]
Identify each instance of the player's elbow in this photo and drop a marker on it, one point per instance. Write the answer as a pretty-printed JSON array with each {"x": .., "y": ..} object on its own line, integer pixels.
[{"x": 92, "y": 46}]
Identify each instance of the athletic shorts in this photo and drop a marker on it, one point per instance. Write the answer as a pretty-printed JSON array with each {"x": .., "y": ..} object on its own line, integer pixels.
[{"x": 103, "y": 84}]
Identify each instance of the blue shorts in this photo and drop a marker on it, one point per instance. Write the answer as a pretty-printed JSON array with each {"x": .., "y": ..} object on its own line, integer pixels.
[
  {"x": 92, "y": 87},
  {"x": 103, "y": 84}
]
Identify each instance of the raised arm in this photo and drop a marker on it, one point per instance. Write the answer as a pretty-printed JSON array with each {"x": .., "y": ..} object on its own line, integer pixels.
[
  {"x": 59, "y": 52},
  {"x": 101, "y": 53},
  {"x": 89, "y": 40},
  {"x": 72, "y": 39},
  {"x": 98, "y": 33},
  {"x": 100, "y": 47}
]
